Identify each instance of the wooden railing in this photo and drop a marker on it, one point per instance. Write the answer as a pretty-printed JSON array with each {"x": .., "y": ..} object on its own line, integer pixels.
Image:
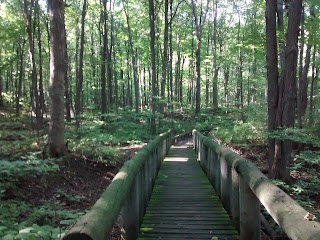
[
  {"x": 242, "y": 188},
  {"x": 127, "y": 195}
]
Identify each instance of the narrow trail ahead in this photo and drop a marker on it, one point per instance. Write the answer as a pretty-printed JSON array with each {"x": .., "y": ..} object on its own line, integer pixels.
[{"x": 183, "y": 204}]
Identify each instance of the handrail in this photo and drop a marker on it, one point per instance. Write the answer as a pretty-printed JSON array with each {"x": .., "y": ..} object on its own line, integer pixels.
[
  {"x": 243, "y": 188},
  {"x": 129, "y": 192}
]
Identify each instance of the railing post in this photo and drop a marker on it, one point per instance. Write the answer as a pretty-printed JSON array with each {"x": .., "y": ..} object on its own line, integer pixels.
[
  {"x": 203, "y": 156},
  {"x": 225, "y": 182},
  {"x": 210, "y": 170},
  {"x": 249, "y": 213},
  {"x": 235, "y": 205},
  {"x": 130, "y": 212},
  {"x": 216, "y": 172}
]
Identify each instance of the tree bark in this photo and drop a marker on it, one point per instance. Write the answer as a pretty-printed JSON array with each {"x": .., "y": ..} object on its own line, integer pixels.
[
  {"x": 199, "y": 23},
  {"x": 286, "y": 102},
  {"x": 303, "y": 88},
  {"x": 165, "y": 55},
  {"x": 312, "y": 83},
  {"x": 80, "y": 79},
  {"x": 56, "y": 140},
  {"x": 113, "y": 39},
  {"x": 28, "y": 22},
  {"x": 215, "y": 67},
  {"x": 153, "y": 65},
  {"x": 134, "y": 64},
  {"x": 1, "y": 88},
  {"x": 21, "y": 70},
  {"x": 103, "y": 59},
  {"x": 272, "y": 72},
  {"x": 41, "y": 94},
  {"x": 67, "y": 87}
]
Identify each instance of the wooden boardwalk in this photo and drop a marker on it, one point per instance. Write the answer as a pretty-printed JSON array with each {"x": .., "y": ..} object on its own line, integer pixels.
[{"x": 183, "y": 204}]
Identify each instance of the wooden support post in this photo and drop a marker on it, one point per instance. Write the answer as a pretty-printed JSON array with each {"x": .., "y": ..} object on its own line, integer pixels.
[
  {"x": 249, "y": 213},
  {"x": 130, "y": 213},
  {"x": 217, "y": 172},
  {"x": 210, "y": 170},
  {"x": 203, "y": 157},
  {"x": 235, "y": 205},
  {"x": 225, "y": 182}
]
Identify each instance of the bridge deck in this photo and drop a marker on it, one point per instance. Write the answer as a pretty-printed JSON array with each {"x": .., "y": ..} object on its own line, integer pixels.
[{"x": 183, "y": 204}]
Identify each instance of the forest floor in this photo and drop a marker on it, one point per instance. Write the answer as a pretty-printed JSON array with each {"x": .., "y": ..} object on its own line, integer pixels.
[{"x": 43, "y": 197}]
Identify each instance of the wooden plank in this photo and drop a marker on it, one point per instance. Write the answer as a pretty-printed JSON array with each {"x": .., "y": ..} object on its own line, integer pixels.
[{"x": 183, "y": 204}]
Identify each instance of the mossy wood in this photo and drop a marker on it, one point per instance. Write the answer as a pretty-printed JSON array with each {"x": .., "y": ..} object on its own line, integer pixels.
[
  {"x": 246, "y": 188},
  {"x": 127, "y": 191}
]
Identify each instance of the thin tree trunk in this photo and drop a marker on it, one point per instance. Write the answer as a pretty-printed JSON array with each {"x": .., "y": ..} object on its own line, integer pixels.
[
  {"x": 21, "y": 71},
  {"x": 41, "y": 94},
  {"x": 181, "y": 81},
  {"x": 165, "y": 55},
  {"x": 199, "y": 23},
  {"x": 67, "y": 88},
  {"x": 103, "y": 59},
  {"x": 28, "y": 22},
  {"x": 272, "y": 73},
  {"x": 226, "y": 84},
  {"x": 303, "y": 88},
  {"x": 153, "y": 65},
  {"x": 170, "y": 69},
  {"x": 207, "y": 71},
  {"x": 113, "y": 38},
  {"x": 80, "y": 79},
  {"x": 215, "y": 67},
  {"x": 134, "y": 65},
  {"x": 312, "y": 83}
]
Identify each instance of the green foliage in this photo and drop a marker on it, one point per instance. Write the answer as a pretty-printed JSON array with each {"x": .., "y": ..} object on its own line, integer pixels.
[
  {"x": 231, "y": 129},
  {"x": 45, "y": 222},
  {"x": 306, "y": 136}
]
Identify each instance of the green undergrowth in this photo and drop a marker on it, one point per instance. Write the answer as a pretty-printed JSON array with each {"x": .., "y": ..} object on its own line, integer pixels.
[
  {"x": 20, "y": 220},
  {"x": 246, "y": 130}
]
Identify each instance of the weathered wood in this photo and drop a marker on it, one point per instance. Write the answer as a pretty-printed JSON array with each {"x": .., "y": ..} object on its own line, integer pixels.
[
  {"x": 284, "y": 210},
  {"x": 121, "y": 193},
  {"x": 249, "y": 212},
  {"x": 183, "y": 203}
]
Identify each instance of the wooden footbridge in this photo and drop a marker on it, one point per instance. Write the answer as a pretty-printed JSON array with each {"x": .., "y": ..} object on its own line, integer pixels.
[{"x": 194, "y": 189}]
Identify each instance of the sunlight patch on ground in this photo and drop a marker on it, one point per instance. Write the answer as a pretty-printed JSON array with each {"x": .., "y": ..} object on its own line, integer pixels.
[
  {"x": 176, "y": 159},
  {"x": 180, "y": 147}
]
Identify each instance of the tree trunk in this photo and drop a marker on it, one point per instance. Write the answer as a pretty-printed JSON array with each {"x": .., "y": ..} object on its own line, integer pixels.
[
  {"x": 165, "y": 55},
  {"x": 199, "y": 23},
  {"x": 56, "y": 140},
  {"x": 312, "y": 83},
  {"x": 114, "y": 63},
  {"x": 226, "y": 84},
  {"x": 181, "y": 81},
  {"x": 41, "y": 94},
  {"x": 303, "y": 88},
  {"x": 80, "y": 79},
  {"x": 286, "y": 102},
  {"x": 67, "y": 87},
  {"x": 103, "y": 59},
  {"x": 207, "y": 71},
  {"x": 35, "y": 95},
  {"x": 272, "y": 73},
  {"x": 134, "y": 64},
  {"x": 21, "y": 70},
  {"x": 1, "y": 99},
  {"x": 215, "y": 67},
  {"x": 153, "y": 65}
]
